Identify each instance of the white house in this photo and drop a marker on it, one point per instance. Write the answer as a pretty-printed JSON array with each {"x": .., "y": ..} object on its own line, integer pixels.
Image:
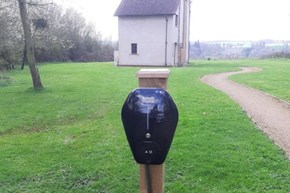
[{"x": 153, "y": 32}]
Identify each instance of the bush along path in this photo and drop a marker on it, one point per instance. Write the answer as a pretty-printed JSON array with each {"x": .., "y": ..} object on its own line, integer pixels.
[{"x": 269, "y": 113}]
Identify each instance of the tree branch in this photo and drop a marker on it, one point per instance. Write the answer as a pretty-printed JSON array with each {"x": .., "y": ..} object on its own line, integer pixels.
[
  {"x": 4, "y": 7},
  {"x": 39, "y": 4}
]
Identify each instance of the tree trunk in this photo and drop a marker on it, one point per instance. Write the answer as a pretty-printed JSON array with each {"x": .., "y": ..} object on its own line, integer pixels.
[
  {"x": 29, "y": 46},
  {"x": 24, "y": 59}
]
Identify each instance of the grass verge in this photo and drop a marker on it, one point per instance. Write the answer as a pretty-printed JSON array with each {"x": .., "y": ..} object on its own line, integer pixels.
[{"x": 69, "y": 137}]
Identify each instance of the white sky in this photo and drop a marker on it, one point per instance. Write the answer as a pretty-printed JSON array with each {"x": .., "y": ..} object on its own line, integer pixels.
[{"x": 210, "y": 19}]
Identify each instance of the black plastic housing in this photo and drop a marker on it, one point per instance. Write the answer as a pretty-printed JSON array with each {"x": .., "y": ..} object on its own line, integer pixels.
[{"x": 149, "y": 117}]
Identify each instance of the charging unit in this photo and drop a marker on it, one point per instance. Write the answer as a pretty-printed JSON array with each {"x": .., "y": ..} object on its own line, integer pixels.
[{"x": 150, "y": 118}]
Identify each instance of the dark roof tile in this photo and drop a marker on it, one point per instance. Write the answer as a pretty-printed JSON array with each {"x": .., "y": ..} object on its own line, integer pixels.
[{"x": 147, "y": 7}]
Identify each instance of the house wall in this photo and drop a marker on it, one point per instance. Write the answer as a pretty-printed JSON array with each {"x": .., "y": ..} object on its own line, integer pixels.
[
  {"x": 186, "y": 32},
  {"x": 183, "y": 33},
  {"x": 149, "y": 33}
]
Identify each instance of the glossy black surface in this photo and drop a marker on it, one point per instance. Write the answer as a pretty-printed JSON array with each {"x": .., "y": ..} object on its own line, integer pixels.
[{"x": 150, "y": 118}]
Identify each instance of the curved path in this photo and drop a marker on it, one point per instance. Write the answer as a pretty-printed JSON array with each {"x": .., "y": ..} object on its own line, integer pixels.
[{"x": 271, "y": 114}]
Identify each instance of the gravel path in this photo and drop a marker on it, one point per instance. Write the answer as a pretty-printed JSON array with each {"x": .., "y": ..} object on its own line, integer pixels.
[{"x": 270, "y": 114}]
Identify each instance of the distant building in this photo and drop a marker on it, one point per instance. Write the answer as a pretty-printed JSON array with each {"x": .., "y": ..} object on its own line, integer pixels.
[{"x": 153, "y": 32}]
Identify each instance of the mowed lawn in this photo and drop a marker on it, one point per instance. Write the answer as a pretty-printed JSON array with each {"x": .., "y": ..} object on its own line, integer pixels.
[{"x": 69, "y": 137}]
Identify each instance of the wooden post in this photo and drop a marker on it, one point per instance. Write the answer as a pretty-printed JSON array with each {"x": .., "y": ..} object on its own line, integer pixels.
[{"x": 153, "y": 78}]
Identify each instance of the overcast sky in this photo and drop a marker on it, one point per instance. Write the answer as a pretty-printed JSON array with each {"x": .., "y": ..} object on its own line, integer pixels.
[{"x": 210, "y": 19}]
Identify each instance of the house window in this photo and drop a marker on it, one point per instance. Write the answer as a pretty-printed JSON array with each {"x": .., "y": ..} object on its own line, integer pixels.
[{"x": 134, "y": 48}]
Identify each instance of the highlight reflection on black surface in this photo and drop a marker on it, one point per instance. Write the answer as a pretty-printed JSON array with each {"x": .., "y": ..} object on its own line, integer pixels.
[{"x": 149, "y": 112}]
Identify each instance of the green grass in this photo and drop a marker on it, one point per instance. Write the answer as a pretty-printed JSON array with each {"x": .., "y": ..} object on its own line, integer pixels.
[
  {"x": 4, "y": 80},
  {"x": 274, "y": 79},
  {"x": 69, "y": 136}
]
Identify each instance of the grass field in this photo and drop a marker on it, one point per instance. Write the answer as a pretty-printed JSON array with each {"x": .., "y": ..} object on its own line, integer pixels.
[{"x": 69, "y": 137}]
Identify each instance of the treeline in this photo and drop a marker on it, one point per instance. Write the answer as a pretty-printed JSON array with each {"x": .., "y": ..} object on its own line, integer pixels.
[
  {"x": 240, "y": 49},
  {"x": 58, "y": 35}
]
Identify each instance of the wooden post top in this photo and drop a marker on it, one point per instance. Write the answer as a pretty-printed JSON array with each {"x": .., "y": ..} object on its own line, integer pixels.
[
  {"x": 153, "y": 78},
  {"x": 153, "y": 73}
]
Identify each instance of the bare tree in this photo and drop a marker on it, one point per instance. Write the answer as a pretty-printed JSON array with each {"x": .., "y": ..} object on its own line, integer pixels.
[
  {"x": 51, "y": 33},
  {"x": 10, "y": 37},
  {"x": 29, "y": 45}
]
